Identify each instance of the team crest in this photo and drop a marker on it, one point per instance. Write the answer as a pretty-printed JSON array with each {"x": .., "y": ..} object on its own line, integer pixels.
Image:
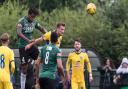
[{"x": 81, "y": 57}]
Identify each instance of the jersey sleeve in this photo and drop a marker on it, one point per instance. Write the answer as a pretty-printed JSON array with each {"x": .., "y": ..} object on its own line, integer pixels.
[
  {"x": 21, "y": 21},
  {"x": 68, "y": 63},
  {"x": 19, "y": 24},
  {"x": 12, "y": 62},
  {"x": 46, "y": 36},
  {"x": 59, "y": 54},
  {"x": 38, "y": 26},
  {"x": 61, "y": 38},
  {"x": 88, "y": 63},
  {"x": 59, "y": 41}
]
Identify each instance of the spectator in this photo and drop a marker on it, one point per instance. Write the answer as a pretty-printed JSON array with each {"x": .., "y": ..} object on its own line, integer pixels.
[
  {"x": 106, "y": 74},
  {"x": 122, "y": 74}
]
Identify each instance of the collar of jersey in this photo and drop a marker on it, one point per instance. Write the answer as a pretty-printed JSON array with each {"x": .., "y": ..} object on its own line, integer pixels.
[{"x": 77, "y": 52}]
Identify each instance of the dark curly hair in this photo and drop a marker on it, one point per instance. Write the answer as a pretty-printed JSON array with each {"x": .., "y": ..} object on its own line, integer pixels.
[{"x": 33, "y": 10}]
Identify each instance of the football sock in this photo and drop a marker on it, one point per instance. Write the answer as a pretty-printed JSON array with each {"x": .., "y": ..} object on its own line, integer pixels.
[{"x": 23, "y": 80}]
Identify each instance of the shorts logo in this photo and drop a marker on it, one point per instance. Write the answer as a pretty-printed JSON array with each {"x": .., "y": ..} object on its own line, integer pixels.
[{"x": 23, "y": 60}]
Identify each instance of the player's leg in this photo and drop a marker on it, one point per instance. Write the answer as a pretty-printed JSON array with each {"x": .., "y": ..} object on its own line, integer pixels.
[
  {"x": 74, "y": 85},
  {"x": 7, "y": 85},
  {"x": 1, "y": 85},
  {"x": 46, "y": 83},
  {"x": 51, "y": 83},
  {"x": 43, "y": 83},
  {"x": 82, "y": 85},
  {"x": 33, "y": 53},
  {"x": 23, "y": 75},
  {"x": 58, "y": 79},
  {"x": 30, "y": 77},
  {"x": 24, "y": 57}
]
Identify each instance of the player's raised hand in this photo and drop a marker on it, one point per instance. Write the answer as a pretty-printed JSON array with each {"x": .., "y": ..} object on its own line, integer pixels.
[
  {"x": 27, "y": 47},
  {"x": 30, "y": 41}
]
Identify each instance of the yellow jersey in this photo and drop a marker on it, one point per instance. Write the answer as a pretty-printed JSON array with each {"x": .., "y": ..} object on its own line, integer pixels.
[
  {"x": 47, "y": 38},
  {"x": 78, "y": 60},
  {"x": 6, "y": 61}
]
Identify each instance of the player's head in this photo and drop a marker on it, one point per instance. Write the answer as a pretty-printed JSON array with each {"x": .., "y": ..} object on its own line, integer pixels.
[
  {"x": 4, "y": 38},
  {"x": 32, "y": 13},
  {"x": 77, "y": 44},
  {"x": 54, "y": 37},
  {"x": 60, "y": 28}
]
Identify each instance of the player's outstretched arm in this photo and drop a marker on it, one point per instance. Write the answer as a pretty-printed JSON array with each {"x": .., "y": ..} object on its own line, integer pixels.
[
  {"x": 38, "y": 40},
  {"x": 40, "y": 28}
]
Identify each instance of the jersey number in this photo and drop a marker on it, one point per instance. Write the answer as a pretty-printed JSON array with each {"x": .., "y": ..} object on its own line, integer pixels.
[
  {"x": 47, "y": 58},
  {"x": 2, "y": 63}
]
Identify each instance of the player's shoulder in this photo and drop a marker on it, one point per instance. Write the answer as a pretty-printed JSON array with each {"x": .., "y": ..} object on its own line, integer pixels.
[
  {"x": 84, "y": 53},
  {"x": 46, "y": 47},
  {"x": 9, "y": 49},
  {"x": 43, "y": 47},
  {"x": 47, "y": 33},
  {"x": 46, "y": 36},
  {"x": 72, "y": 53},
  {"x": 22, "y": 19},
  {"x": 61, "y": 37},
  {"x": 57, "y": 48}
]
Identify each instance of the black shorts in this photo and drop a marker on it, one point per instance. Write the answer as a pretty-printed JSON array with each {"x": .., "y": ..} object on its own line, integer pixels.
[
  {"x": 26, "y": 56},
  {"x": 46, "y": 83}
]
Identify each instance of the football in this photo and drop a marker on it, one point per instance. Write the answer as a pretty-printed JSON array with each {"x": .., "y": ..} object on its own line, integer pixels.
[{"x": 91, "y": 8}]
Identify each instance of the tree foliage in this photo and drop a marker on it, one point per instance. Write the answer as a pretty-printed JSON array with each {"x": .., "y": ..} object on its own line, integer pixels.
[{"x": 106, "y": 32}]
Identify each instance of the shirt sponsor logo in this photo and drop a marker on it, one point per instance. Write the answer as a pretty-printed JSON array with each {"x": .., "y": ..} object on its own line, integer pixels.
[{"x": 49, "y": 48}]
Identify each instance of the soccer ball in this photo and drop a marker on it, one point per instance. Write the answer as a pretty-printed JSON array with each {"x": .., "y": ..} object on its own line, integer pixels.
[{"x": 91, "y": 8}]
